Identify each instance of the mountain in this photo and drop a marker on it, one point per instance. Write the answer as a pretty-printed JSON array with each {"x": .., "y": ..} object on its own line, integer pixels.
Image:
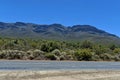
[{"x": 57, "y": 32}]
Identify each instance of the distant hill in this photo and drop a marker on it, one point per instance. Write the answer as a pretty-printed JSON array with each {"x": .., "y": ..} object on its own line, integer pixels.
[{"x": 57, "y": 32}]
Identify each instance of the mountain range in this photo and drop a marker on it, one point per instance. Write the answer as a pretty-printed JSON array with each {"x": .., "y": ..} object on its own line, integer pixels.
[{"x": 57, "y": 32}]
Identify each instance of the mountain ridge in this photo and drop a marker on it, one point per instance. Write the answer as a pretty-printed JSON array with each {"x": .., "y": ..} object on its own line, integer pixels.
[{"x": 55, "y": 31}]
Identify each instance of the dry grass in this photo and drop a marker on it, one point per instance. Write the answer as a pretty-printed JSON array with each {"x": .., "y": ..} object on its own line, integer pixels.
[{"x": 60, "y": 75}]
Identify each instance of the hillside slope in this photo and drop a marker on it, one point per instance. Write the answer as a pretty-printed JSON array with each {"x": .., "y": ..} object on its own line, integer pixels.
[{"x": 56, "y": 31}]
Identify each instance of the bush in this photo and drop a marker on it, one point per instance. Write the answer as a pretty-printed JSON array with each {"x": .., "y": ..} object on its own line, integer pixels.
[
  {"x": 106, "y": 56},
  {"x": 56, "y": 52},
  {"x": 117, "y": 57},
  {"x": 50, "y": 56},
  {"x": 84, "y": 54},
  {"x": 62, "y": 57},
  {"x": 66, "y": 56},
  {"x": 34, "y": 54},
  {"x": 95, "y": 58},
  {"x": 50, "y": 46},
  {"x": 37, "y": 53},
  {"x": 116, "y": 50},
  {"x": 101, "y": 50},
  {"x": 112, "y": 47},
  {"x": 86, "y": 44},
  {"x": 11, "y": 54}
]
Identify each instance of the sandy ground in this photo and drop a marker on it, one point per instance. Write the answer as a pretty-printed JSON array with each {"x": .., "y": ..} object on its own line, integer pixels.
[{"x": 60, "y": 75}]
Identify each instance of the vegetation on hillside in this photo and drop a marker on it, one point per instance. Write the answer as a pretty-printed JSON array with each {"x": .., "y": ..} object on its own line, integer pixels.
[{"x": 30, "y": 49}]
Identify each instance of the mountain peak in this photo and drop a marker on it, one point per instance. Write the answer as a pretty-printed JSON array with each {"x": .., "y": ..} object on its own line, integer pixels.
[
  {"x": 56, "y": 25},
  {"x": 20, "y": 23}
]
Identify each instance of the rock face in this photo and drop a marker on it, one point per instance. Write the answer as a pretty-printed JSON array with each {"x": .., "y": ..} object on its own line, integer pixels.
[{"x": 55, "y": 31}]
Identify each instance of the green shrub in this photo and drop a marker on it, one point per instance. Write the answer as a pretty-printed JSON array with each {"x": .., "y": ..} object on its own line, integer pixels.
[
  {"x": 101, "y": 50},
  {"x": 112, "y": 47},
  {"x": 84, "y": 54},
  {"x": 50, "y": 56},
  {"x": 86, "y": 44},
  {"x": 116, "y": 50},
  {"x": 50, "y": 46}
]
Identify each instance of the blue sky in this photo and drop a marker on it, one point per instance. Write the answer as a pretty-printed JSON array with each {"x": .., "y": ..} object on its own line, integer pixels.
[{"x": 104, "y": 14}]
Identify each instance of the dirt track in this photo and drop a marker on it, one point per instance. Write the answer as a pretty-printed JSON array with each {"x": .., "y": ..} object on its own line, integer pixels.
[{"x": 60, "y": 75}]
